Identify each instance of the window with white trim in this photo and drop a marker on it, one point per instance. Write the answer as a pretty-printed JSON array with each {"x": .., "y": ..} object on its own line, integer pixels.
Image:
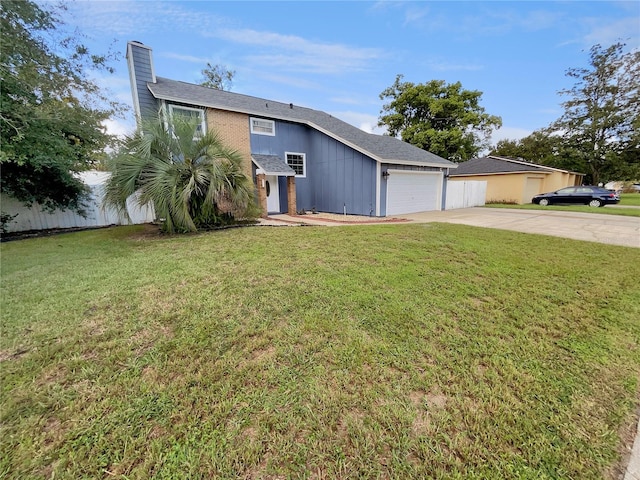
[
  {"x": 297, "y": 162},
  {"x": 189, "y": 113},
  {"x": 261, "y": 126}
]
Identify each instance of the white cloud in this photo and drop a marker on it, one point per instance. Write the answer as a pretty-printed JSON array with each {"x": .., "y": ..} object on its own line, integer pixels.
[
  {"x": 292, "y": 52},
  {"x": 186, "y": 58},
  {"x": 115, "y": 87},
  {"x": 124, "y": 18},
  {"x": 534, "y": 20},
  {"x": 112, "y": 82},
  {"x": 413, "y": 14},
  {"x": 361, "y": 100},
  {"x": 495, "y": 19},
  {"x": 387, "y": 4},
  {"x": 364, "y": 121},
  {"x": 509, "y": 133},
  {"x": 120, "y": 127},
  {"x": 264, "y": 77},
  {"x": 625, "y": 30}
]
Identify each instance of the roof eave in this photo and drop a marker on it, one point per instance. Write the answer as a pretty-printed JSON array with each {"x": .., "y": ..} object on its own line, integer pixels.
[
  {"x": 276, "y": 174},
  {"x": 499, "y": 173},
  {"x": 523, "y": 162},
  {"x": 378, "y": 158}
]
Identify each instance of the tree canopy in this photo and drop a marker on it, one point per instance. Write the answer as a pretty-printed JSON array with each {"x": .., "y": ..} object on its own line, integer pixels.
[
  {"x": 442, "y": 118},
  {"x": 537, "y": 148},
  {"x": 599, "y": 131},
  {"x": 51, "y": 114},
  {"x": 217, "y": 76},
  {"x": 192, "y": 180},
  {"x": 601, "y": 115},
  {"x": 543, "y": 149}
]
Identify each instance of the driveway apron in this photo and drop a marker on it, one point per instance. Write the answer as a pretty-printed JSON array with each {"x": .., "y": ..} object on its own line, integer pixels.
[{"x": 592, "y": 227}]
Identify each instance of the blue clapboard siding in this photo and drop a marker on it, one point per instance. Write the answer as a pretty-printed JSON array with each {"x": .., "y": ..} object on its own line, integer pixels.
[
  {"x": 343, "y": 178},
  {"x": 337, "y": 176},
  {"x": 142, "y": 62}
]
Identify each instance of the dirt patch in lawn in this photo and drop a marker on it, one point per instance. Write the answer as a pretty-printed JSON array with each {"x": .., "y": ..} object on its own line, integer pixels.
[
  {"x": 308, "y": 219},
  {"x": 10, "y": 236},
  {"x": 335, "y": 217},
  {"x": 12, "y": 354}
]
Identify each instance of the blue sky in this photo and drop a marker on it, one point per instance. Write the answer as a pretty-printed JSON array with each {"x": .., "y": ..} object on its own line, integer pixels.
[{"x": 338, "y": 56}]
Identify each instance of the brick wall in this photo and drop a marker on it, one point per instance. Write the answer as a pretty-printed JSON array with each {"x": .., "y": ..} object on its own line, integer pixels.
[{"x": 233, "y": 129}]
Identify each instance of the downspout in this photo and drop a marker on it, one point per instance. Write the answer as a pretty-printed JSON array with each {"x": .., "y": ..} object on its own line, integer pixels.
[{"x": 445, "y": 181}]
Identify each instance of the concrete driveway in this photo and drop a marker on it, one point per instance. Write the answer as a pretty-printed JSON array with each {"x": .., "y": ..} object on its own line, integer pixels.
[{"x": 592, "y": 227}]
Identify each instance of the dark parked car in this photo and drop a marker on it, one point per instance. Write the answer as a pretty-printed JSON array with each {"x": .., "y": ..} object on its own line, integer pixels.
[{"x": 592, "y": 196}]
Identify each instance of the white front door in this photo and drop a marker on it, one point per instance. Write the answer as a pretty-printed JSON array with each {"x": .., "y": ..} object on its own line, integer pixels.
[{"x": 273, "y": 194}]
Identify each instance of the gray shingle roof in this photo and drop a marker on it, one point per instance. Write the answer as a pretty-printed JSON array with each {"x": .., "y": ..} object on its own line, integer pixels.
[
  {"x": 272, "y": 165},
  {"x": 380, "y": 147},
  {"x": 486, "y": 165}
]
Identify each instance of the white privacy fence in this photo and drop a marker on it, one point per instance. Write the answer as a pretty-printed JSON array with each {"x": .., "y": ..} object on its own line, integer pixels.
[
  {"x": 35, "y": 218},
  {"x": 465, "y": 194}
]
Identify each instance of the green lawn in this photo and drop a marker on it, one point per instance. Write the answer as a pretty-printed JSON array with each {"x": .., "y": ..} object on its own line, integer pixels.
[
  {"x": 607, "y": 209},
  {"x": 387, "y": 351},
  {"x": 630, "y": 199}
]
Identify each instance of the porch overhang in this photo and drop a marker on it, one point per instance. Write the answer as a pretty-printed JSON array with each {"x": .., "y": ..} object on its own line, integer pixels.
[{"x": 272, "y": 165}]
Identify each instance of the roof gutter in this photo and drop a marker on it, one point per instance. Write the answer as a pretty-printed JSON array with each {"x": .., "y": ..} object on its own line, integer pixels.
[{"x": 537, "y": 172}]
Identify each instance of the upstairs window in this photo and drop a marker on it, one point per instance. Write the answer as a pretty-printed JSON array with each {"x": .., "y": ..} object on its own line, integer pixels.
[
  {"x": 189, "y": 113},
  {"x": 298, "y": 163},
  {"x": 260, "y": 126}
]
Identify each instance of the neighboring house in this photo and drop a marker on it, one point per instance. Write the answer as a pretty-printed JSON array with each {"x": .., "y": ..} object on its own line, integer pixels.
[
  {"x": 513, "y": 180},
  {"x": 299, "y": 158}
]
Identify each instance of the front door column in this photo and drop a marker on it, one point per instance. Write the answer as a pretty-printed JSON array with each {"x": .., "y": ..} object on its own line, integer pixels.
[{"x": 291, "y": 196}]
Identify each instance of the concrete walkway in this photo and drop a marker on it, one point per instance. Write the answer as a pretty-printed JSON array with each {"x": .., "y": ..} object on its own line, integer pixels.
[{"x": 593, "y": 227}]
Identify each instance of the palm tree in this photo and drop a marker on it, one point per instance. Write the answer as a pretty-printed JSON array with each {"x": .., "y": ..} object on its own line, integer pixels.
[{"x": 192, "y": 180}]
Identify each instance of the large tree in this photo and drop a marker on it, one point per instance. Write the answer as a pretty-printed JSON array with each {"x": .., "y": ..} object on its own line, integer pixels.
[
  {"x": 543, "y": 149},
  {"x": 537, "y": 148},
  {"x": 51, "y": 114},
  {"x": 192, "y": 180},
  {"x": 442, "y": 118},
  {"x": 217, "y": 76},
  {"x": 601, "y": 116}
]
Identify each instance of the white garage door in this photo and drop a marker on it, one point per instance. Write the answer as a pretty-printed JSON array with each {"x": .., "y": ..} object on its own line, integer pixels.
[
  {"x": 532, "y": 187},
  {"x": 409, "y": 191}
]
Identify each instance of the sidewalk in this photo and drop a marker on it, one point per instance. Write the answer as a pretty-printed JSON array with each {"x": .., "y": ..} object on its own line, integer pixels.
[{"x": 633, "y": 468}]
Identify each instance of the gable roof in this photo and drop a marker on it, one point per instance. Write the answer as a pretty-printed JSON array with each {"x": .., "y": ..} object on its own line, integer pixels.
[
  {"x": 495, "y": 165},
  {"x": 382, "y": 148}
]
